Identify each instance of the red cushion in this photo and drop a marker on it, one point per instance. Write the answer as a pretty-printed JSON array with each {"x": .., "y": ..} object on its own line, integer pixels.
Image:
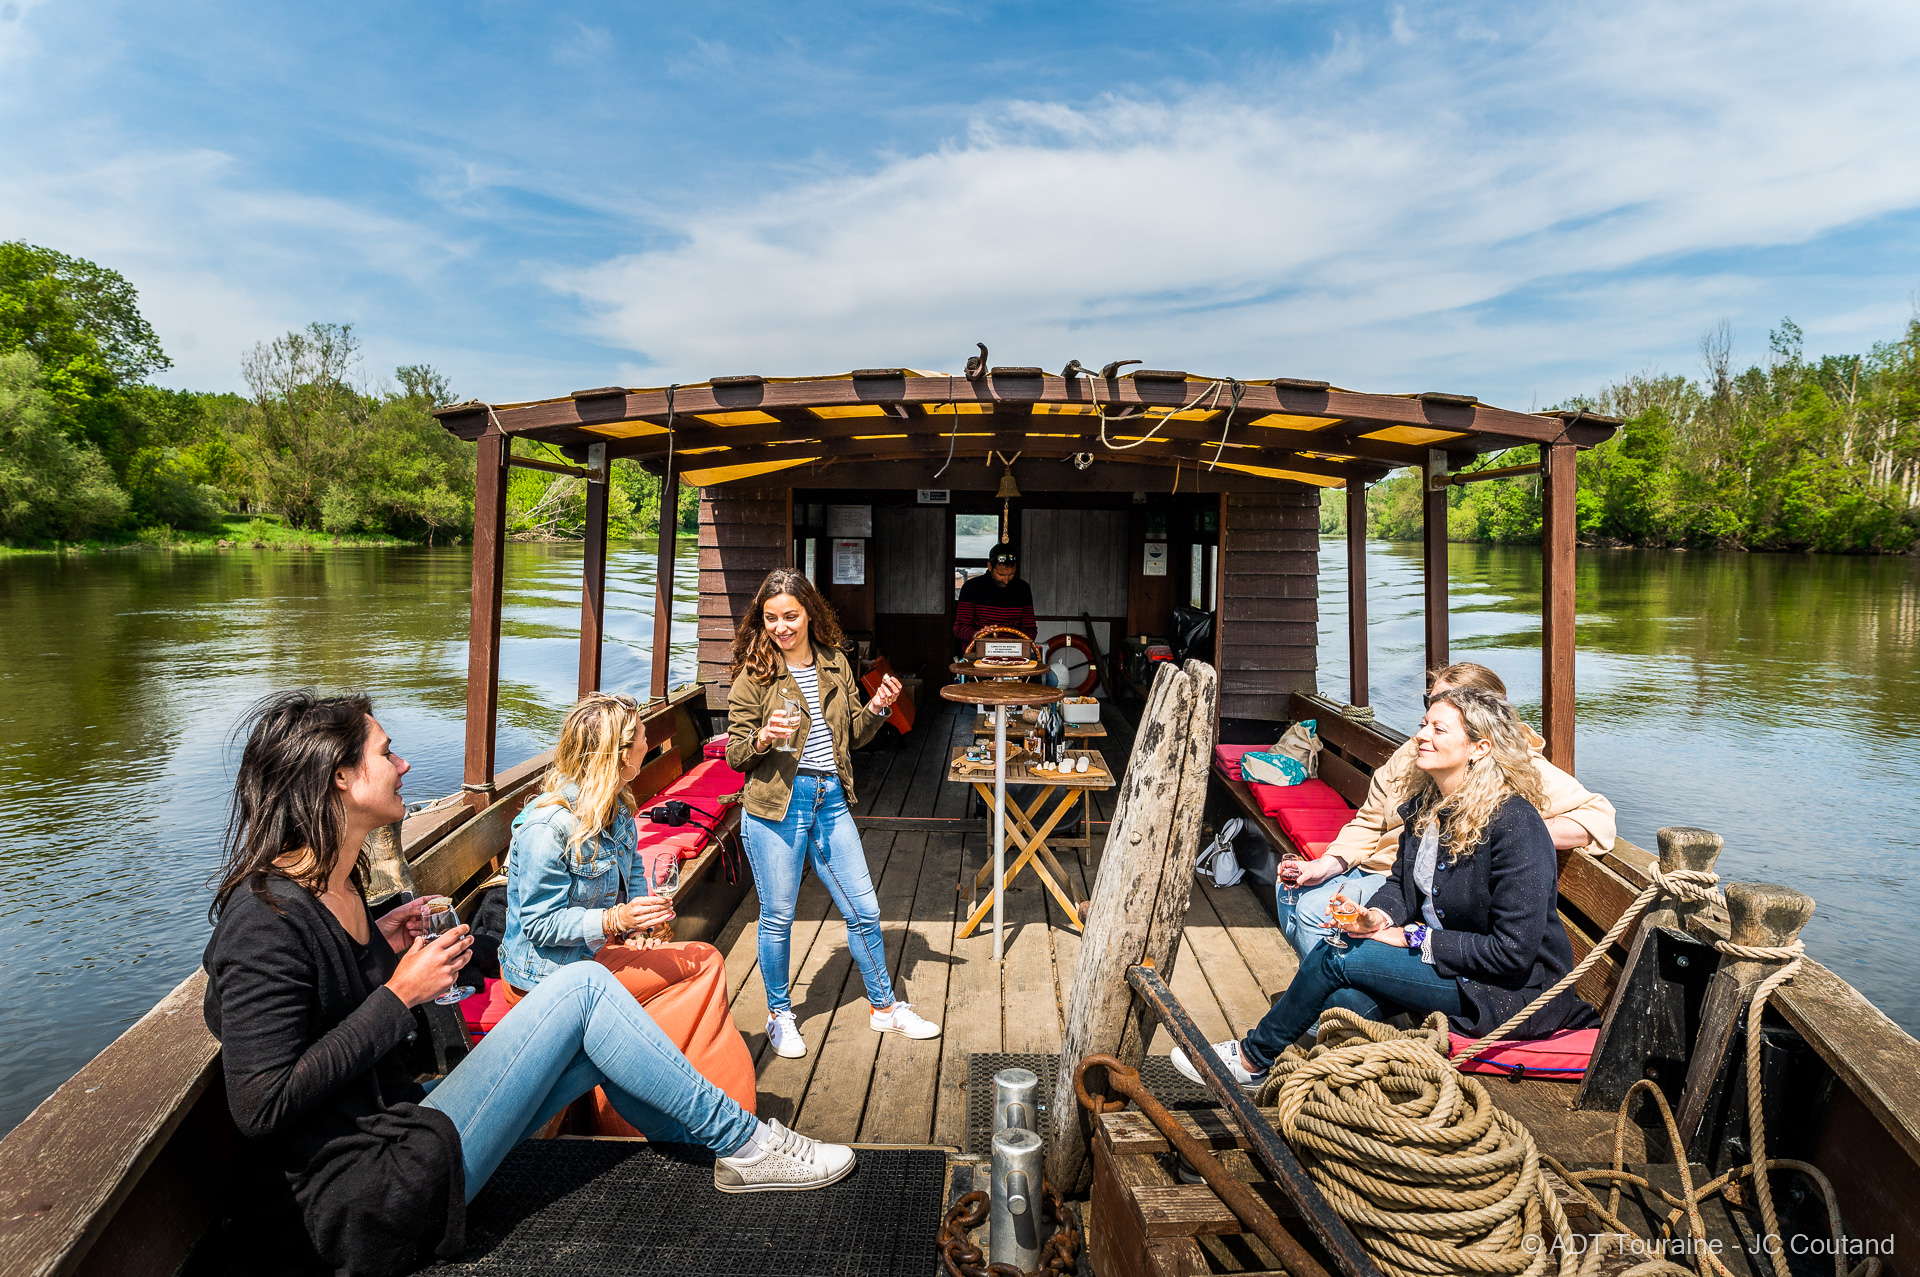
[
  {"x": 1228, "y": 757},
  {"x": 709, "y": 778},
  {"x": 716, "y": 748},
  {"x": 1311, "y": 814},
  {"x": 1560, "y": 1056},
  {"x": 484, "y": 1009}
]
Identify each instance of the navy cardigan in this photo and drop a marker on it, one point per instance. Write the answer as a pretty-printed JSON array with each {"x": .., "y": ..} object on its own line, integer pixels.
[{"x": 1501, "y": 936}]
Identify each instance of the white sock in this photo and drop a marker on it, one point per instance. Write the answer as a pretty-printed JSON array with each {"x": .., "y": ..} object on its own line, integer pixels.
[{"x": 756, "y": 1144}]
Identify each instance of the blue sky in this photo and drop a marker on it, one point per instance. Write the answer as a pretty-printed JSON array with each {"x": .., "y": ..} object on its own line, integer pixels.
[{"x": 1516, "y": 201}]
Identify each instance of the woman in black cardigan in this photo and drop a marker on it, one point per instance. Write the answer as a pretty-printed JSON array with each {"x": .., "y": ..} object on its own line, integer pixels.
[
  {"x": 311, "y": 999},
  {"x": 1467, "y": 924}
]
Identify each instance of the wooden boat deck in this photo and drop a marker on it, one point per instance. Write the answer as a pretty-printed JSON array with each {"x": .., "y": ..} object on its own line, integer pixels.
[{"x": 855, "y": 1084}]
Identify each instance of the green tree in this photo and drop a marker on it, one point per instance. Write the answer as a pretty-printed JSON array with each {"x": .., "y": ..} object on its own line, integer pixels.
[
  {"x": 51, "y": 486},
  {"x": 306, "y": 418}
]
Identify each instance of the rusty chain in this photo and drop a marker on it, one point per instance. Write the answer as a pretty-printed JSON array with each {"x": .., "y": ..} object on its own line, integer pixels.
[{"x": 1060, "y": 1254}]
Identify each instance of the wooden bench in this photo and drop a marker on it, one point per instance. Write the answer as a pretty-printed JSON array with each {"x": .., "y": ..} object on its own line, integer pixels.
[{"x": 1349, "y": 755}]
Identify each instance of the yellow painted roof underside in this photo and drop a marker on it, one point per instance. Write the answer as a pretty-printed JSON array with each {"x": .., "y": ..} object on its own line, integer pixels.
[
  {"x": 727, "y": 474},
  {"x": 1415, "y": 435},
  {"x": 1265, "y": 472}
]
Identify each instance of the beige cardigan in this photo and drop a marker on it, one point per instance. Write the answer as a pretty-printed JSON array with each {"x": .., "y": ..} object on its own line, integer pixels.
[{"x": 1371, "y": 839}]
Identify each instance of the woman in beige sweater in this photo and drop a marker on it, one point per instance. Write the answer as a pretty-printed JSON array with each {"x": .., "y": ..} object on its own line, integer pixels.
[{"x": 1358, "y": 861}]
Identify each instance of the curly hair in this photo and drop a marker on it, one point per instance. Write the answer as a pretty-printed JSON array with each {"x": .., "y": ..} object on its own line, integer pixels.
[
  {"x": 594, "y": 739},
  {"x": 1506, "y": 769},
  {"x": 753, "y": 649}
]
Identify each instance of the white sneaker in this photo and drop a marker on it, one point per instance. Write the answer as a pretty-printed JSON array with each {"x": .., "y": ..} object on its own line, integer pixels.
[
  {"x": 784, "y": 1033},
  {"x": 789, "y": 1162},
  {"x": 902, "y": 1020},
  {"x": 1229, "y": 1053}
]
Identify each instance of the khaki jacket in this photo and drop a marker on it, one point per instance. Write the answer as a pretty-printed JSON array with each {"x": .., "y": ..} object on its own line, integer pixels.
[
  {"x": 770, "y": 772},
  {"x": 1371, "y": 840}
]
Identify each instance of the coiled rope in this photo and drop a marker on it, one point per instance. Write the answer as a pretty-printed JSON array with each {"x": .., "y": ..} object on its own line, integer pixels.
[{"x": 1433, "y": 1178}]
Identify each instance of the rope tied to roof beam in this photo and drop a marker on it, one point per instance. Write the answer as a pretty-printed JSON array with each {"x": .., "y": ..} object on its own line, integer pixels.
[
  {"x": 953, "y": 433},
  {"x": 1211, "y": 388},
  {"x": 1239, "y": 389}
]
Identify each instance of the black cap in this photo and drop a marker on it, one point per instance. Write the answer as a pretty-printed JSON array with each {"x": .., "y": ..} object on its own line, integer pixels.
[{"x": 1004, "y": 554}]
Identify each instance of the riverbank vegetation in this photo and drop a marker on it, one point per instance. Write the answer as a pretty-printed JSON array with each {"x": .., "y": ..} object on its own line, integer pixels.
[
  {"x": 93, "y": 455},
  {"x": 1798, "y": 454}
]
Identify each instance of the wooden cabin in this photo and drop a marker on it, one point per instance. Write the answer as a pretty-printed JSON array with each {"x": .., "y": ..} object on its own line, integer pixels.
[{"x": 1136, "y": 494}]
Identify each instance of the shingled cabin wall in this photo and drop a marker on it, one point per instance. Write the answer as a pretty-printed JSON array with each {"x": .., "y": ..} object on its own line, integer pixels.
[
  {"x": 1269, "y": 599},
  {"x": 752, "y": 533}
]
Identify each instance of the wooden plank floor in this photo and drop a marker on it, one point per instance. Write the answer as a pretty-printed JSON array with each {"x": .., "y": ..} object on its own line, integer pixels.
[{"x": 855, "y": 1084}]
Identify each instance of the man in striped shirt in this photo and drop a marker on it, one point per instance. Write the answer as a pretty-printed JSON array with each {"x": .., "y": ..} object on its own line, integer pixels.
[{"x": 998, "y": 598}]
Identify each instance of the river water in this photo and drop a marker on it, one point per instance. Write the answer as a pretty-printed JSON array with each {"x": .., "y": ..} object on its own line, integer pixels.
[{"x": 1771, "y": 698}]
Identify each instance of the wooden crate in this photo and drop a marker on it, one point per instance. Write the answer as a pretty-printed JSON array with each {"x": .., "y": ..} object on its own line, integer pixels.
[{"x": 1144, "y": 1222}]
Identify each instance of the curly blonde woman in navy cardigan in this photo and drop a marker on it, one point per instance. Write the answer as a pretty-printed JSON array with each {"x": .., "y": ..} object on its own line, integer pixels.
[
  {"x": 1467, "y": 924},
  {"x": 797, "y": 803}
]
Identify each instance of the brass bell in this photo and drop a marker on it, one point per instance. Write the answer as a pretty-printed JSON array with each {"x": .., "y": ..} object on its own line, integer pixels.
[{"x": 1009, "y": 490}]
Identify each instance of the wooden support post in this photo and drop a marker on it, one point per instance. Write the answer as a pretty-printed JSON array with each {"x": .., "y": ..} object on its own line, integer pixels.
[
  {"x": 1357, "y": 592},
  {"x": 483, "y": 622},
  {"x": 668, "y": 545},
  {"x": 1139, "y": 900},
  {"x": 1683, "y": 847},
  {"x": 1433, "y": 529},
  {"x": 1763, "y": 916},
  {"x": 1557, "y": 603},
  {"x": 388, "y": 873},
  {"x": 1646, "y": 1030},
  {"x": 593, "y": 575}
]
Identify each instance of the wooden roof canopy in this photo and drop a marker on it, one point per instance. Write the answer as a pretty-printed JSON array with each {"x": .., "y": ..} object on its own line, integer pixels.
[{"x": 733, "y": 428}]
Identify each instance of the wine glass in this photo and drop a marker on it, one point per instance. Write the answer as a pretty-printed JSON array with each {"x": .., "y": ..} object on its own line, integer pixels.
[
  {"x": 441, "y": 919},
  {"x": 790, "y": 717},
  {"x": 1290, "y": 878},
  {"x": 1343, "y": 912}
]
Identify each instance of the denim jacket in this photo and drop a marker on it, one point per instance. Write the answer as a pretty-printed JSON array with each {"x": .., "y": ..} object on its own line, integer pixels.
[{"x": 555, "y": 897}]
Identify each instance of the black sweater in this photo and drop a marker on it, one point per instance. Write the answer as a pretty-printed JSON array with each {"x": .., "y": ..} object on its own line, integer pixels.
[
  {"x": 1501, "y": 937},
  {"x": 311, "y": 1053}
]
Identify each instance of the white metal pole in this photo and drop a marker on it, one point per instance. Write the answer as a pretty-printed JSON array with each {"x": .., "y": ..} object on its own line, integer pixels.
[{"x": 999, "y": 817}]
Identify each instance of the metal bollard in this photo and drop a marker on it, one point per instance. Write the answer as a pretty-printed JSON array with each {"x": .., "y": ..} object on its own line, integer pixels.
[
  {"x": 1014, "y": 1204},
  {"x": 1015, "y": 1092}
]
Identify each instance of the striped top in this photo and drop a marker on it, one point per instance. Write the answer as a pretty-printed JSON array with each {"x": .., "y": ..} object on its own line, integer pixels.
[
  {"x": 816, "y": 754},
  {"x": 984, "y": 602}
]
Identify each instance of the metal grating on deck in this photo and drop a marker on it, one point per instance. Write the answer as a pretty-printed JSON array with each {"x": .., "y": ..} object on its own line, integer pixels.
[
  {"x": 588, "y": 1207},
  {"x": 1156, "y": 1071}
]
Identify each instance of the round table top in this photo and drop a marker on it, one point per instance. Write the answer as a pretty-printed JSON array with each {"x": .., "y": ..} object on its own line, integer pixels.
[
  {"x": 1009, "y": 693},
  {"x": 971, "y": 670}
]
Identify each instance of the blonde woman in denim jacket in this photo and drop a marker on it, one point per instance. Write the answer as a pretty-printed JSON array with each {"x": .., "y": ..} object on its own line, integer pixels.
[{"x": 577, "y": 892}]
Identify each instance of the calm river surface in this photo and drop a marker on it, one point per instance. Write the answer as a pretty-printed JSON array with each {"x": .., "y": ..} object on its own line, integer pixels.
[{"x": 1772, "y": 698}]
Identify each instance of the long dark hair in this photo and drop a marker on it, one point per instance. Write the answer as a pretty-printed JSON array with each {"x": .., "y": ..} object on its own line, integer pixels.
[
  {"x": 753, "y": 649},
  {"x": 284, "y": 799}
]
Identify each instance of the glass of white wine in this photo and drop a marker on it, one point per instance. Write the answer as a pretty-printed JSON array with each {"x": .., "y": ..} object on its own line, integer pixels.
[
  {"x": 790, "y": 717},
  {"x": 441, "y": 919}
]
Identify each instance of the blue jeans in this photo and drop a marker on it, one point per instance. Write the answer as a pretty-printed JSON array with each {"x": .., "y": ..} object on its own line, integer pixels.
[
  {"x": 579, "y": 1028},
  {"x": 1302, "y": 921},
  {"x": 818, "y": 829},
  {"x": 1368, "y": 977}
]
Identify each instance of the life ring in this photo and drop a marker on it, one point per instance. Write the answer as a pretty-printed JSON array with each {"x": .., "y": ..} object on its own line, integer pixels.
[{"x": 1092, "y": 680}]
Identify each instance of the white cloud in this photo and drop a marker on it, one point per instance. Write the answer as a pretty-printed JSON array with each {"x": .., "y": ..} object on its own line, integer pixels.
[
  {"x": 214, "y": 253},
  {"x": 1454, "y": 213}
]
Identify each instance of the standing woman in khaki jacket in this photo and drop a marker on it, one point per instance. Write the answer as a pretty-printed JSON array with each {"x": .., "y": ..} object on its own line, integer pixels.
[
  {"x": 794, "y": 716},
  {"x": 1357, "y": 862}
]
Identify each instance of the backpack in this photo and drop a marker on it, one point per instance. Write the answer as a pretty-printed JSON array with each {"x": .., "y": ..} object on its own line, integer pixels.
[{"x": 1217, "y": 862}]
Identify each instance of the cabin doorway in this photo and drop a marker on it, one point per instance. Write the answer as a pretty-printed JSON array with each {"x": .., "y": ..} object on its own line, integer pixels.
[{"x": 893, "y": 564}]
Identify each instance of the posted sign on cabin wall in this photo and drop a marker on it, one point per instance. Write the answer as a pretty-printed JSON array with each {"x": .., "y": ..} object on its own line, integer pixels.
[
  {"x": 1155, "y": 563},
  {"x": 849, "y": 561}
]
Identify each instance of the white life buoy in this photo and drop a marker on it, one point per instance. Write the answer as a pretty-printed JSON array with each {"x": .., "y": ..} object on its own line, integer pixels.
[{"x": 1080, "y": 645}]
